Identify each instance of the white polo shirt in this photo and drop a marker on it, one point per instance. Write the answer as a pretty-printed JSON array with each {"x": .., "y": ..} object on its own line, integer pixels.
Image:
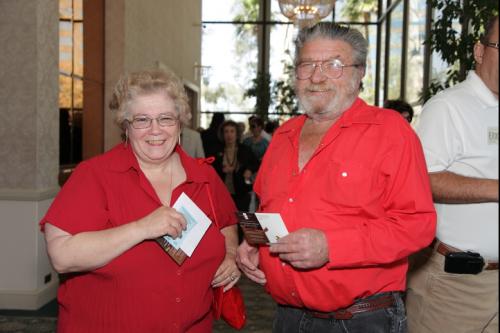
[{"x": 459, "y": 133}]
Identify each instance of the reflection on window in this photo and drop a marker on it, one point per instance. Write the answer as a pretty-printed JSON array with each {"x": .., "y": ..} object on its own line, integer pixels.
[{"x": 70, "y": 81}]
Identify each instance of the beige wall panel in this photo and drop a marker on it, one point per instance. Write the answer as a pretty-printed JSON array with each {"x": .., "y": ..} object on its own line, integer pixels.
[{"x": 166, "y": 31}]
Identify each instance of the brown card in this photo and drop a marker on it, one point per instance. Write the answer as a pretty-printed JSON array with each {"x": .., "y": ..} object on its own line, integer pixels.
[
  {"x": 178, "y": 255},
  {"x": 252, "y": 230}
]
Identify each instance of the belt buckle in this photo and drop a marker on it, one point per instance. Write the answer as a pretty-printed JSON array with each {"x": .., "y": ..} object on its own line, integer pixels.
[{"x": 342, "y": 315}]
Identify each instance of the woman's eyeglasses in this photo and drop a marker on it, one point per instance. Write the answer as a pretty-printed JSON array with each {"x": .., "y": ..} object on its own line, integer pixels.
[{"x": 142, "y": 122}]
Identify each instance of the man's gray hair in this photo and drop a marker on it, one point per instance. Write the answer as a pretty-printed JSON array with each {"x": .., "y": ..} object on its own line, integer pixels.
[{"x": 332, "y": 31}]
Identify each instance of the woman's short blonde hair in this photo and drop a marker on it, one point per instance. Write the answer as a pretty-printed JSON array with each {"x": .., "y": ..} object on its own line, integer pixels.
[{"x": 132, "y": 85}]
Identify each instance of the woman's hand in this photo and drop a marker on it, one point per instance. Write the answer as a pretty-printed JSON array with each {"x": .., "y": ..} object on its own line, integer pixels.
[
  {"x": 162, "y": 221},
  {"x": 227, "y": 274}
]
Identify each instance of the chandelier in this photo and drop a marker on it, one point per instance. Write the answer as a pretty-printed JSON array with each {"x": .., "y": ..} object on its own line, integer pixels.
[{"x": 305, "y": 13}]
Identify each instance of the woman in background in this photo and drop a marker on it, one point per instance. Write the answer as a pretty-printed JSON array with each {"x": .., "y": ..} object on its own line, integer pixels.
[{"x": 236, "y": 165}]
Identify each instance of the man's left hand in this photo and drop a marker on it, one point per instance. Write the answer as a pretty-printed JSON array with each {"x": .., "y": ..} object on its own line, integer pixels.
[{"x": 304, "y": 248}]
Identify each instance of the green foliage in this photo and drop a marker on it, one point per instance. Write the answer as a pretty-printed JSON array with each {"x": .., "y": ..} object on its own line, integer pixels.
[
  {"x": 456, "y": 48},
  {"x": 279, "y": 93},
  {"x": 354, "y": 10},
  {"x": 283, "y": 93},
  {"x": 247, "y": 10},
  {"x": 260, "y": 89}
]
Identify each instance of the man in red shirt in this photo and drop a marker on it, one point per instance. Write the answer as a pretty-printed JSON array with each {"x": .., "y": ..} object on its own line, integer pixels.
[{"x": 350, "y": 182}]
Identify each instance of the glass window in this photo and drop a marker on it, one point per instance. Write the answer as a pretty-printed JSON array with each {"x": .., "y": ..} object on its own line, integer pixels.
[
  {"x": 230, "y": 67},
  {"x": 438, "y": 65},
  {"x": 281, "y": 58},
  {"x": 370, "y": 33},
  {"x": 70, "y": 81},
  {"x": 276, "y": 14},
  {"x": 395, "y": 51},
  {"x": 383, "y": 37},
  {"x": 415, "y": 56},
  {"x": 230, "y": 10},
  {"x": 356, "y": 11}
]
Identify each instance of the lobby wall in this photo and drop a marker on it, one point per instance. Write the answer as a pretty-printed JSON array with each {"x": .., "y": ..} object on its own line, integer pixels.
[{"x": 137, "y": 34}]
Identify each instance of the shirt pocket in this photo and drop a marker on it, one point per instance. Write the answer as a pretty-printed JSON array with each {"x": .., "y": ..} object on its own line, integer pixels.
[{"x": 349, "y": 184}]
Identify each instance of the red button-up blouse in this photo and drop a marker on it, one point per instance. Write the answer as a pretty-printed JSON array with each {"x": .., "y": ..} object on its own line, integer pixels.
[{"x": 142, "y": 290}]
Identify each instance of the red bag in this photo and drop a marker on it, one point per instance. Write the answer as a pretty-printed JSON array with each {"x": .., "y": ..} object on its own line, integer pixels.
[{"x": 229, "y": 306}]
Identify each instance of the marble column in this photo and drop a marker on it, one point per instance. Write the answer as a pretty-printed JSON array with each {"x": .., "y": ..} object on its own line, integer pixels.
[{"x": 29, "y": 149}]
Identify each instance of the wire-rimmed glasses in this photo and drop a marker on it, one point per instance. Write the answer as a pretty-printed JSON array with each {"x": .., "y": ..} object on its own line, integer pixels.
[
  {"x": 332, "y": 69},
  {"x": 142, "y": 122},
  {"x": 491, "y": 44}
]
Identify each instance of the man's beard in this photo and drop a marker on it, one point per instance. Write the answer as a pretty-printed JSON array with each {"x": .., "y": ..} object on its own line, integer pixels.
[{"x": 342, "y": 99}]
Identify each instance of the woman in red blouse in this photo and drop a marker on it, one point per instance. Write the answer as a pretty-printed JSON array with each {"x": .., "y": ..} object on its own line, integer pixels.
[{"x": 101, "y": 227}]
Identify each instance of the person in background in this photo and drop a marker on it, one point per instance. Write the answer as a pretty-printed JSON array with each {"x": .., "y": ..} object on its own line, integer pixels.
[
  {"x": 249, "y": 133},
  {"x": 400, "y": 106},
  {"x": 271, "y": 126},
  {"x": 452, "y": 290},
  {"x": 242, "y": 129},
  {"x": 210, "y": 137},
  {"x": 256, "y": 142},
  {"x": 350, "y": 183},
  {"x": 191, "y": 142},
  {"x": 101, "y": 228},
  {"x": 236, "y": 165}
]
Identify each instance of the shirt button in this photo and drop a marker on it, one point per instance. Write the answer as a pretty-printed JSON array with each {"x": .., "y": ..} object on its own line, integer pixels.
[
  {"x": 178, "y": 299},
  {"x": 344, "y": 174},
  {"x": 290, "y": 200},
  {"x": 283, "y": 264},
  {"x": 293, "y": 294},
  {"x": 179, "y": 272}
]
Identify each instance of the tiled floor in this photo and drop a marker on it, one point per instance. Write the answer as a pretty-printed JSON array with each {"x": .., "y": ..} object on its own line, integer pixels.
[{"x": 260, "y": 311}]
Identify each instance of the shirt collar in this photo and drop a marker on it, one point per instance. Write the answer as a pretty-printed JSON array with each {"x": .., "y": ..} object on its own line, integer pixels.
[
  {"x": 123, "y": 159},
  {"x": 483, "y": 92}
]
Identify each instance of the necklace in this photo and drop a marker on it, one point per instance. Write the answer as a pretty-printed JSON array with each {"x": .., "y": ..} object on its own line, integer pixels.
[{"x": 230, "y": 161}]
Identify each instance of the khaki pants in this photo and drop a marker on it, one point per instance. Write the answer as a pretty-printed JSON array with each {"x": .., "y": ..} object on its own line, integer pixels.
[{"x": 439, "y": 302}]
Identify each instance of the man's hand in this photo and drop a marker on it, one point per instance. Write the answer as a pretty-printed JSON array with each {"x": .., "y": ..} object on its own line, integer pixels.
[
  {"x": 304, "y": 248},
  {"x": 247, "y": 258}
]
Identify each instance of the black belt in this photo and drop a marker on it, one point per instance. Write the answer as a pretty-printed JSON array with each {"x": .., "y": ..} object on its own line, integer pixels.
[
  {"x": 384, "y": 301},
  {"x": 445, "y": 249}
]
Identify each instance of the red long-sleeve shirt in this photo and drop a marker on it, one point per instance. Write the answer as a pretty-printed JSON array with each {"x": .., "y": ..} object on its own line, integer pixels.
[{"x": 367, "y": 188}]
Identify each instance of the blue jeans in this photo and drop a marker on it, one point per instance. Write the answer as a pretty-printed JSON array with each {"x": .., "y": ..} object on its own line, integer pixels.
[{"x": 389, "y": 320}]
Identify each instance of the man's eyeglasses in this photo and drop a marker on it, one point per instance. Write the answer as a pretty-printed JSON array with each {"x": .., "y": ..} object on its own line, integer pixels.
[
  {"x": 142, "y": 122},
  {"x": 332, "y": 69},
  {"x": 491, "y": 44}
]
